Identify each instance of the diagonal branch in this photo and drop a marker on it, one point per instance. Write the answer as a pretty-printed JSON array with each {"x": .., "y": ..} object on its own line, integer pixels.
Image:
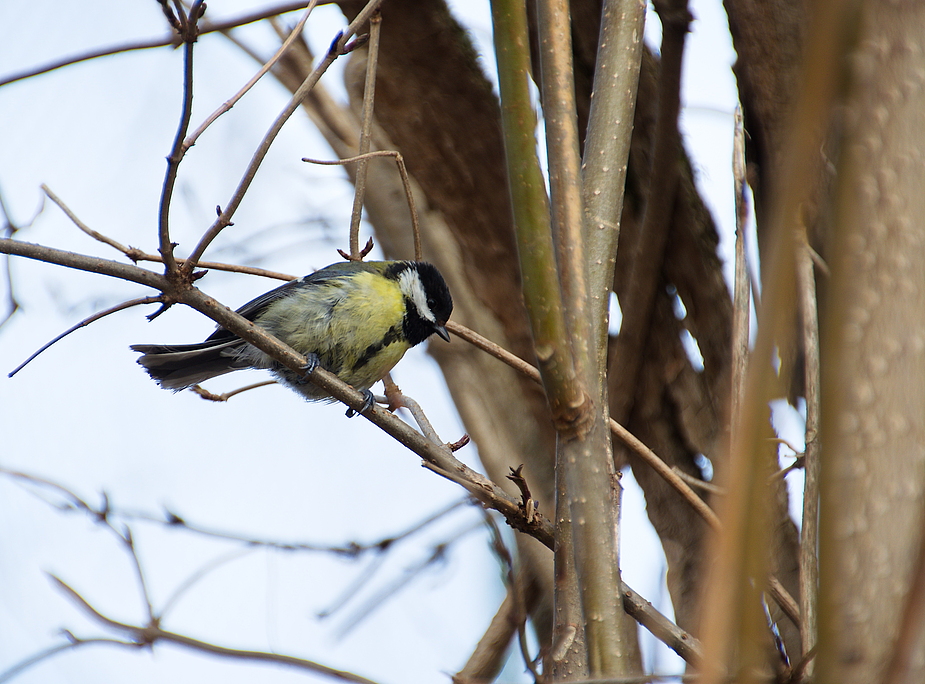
[
  {"x": 85, "y": 322},
  {"x": 438, "y": 458},
  {"x": 171, "y": 40},
  {"x": 152, "y": 633}
]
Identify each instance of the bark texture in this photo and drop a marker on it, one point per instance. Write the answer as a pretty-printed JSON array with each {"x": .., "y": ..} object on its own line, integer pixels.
[
  {"x": 442, "y": 115},
  {"x": 874, "y": 365}
]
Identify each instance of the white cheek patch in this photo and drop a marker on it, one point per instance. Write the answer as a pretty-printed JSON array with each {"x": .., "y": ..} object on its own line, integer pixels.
[{"x": 410, "y": 284}]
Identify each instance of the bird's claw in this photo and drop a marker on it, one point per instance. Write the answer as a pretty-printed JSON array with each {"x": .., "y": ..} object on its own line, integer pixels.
[
  {"x": 368, "y": 401},
  {"x": 311, "y": 363}
]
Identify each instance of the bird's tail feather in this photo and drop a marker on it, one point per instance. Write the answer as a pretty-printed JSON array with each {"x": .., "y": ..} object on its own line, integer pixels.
[{"x": 180, "y": 366}]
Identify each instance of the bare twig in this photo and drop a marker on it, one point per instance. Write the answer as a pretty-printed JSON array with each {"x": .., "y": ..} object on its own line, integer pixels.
[
  {"x": 137, "y": 255},
  {"x": 225, "y": 396},
  {"x": 437, "y": 555},
  {"x": 406, "y": 183},
  {"x": 516, "y": 591},
  {"x": 80, "y": 224},
  {"x": 369, "y": 98},
  {"x": 72, "y": 644},
  {"x": 150, "y": 634},
  {"x": 100, "y": 514},
  {"x": 784, "y": 472},
  {"x": 698, "y": 483},
  {"x": 88, "y": 321},
  {"x": 419, "y": 416},
  {"x": 189, "y": 35},
  {"x": 9, "y": 229},
  {"x": 489, "y": 655},
  {"x": 290, "y": 39},
  {"x": 809, "y": 536},
  {"x": 338, "y": 47},
  {"x": 171, "y": 40},
  {"x": 741, "y": 298}
]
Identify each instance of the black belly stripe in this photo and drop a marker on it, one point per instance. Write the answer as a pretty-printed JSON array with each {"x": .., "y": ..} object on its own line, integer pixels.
[{"x": 392, "y": 336}]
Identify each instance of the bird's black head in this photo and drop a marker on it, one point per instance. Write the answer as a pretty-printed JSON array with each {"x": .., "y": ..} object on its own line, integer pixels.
[{"x": 428, "y": 303}]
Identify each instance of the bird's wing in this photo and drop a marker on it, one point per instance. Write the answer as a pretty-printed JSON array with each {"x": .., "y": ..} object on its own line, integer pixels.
[{"x": 252, "y": 310}]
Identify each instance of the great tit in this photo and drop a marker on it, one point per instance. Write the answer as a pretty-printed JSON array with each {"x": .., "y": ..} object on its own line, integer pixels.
[{"x": 355, "y": 319}]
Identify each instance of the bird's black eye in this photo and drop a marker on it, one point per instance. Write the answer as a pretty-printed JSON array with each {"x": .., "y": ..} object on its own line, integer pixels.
[{"x": 431, "y": 303}]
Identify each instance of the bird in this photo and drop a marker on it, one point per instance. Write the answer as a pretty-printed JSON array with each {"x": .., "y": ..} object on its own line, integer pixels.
[{"x": 355, "y": 319}]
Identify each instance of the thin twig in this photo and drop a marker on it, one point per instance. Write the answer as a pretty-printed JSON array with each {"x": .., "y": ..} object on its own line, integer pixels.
[
  {"x": 80, "y": 224},
  {"x": 406, "y": 183},
  {"x": 190, "y": 35},
  {"x": 290, "y": 39},
  {"x": 72, "y": 644},
  {"x": 225, "y": 396},
  {"x": 9, "y": 229},
  {"x": 741, "y": 297},
  {"x": 369, "y": 98},
  {"x": 128, "y": 540},
  {"x": 171, "y": 40},
  {"x": 199, "y": 575},
  {"x": 87, "y": 321},
  {"x": 515, "y": 590},
  {"x": 338, "y": 47},
  {"x": 698, "y": 483},
  {"x": 420, "y": 417},
  {"x": 784, "y": 472},
  {"x": 137, "y": 255},
  {"x": 170, "y": 519},
  {"x": 809, "y": 536},
  {"x": 151, "y": 634},
  {"x": 437, "y": 555}
]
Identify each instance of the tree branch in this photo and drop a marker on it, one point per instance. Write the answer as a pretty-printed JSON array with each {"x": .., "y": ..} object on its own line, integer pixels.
[
  {"x": 151, "y": 634},
  {"x": 171, "y": 40}
]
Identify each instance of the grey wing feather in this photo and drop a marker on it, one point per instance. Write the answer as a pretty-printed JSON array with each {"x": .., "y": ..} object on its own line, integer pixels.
[
  {"x": 252, "y": 310},
  {"x": 180, "y": 366}
]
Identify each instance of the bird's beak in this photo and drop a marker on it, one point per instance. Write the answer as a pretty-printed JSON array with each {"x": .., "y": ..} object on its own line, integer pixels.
[{"x": 440, "y": 330}]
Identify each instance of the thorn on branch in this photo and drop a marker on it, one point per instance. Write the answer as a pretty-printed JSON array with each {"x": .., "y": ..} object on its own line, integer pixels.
[
  {"x": 171, "y": 17},
  {"x": 172, "y": 518},
  {"x": 356, "y": 43},
  {"x": 363, "y": 252},
  {"x": 134, "y": 254},
  {"x": 528, "y": 503},
  {"x": 102, "y": 513},
  {"x": 163, "y": 307},
  {"x": 459, "y": 444},
  {"x": 335, "y": 44}
]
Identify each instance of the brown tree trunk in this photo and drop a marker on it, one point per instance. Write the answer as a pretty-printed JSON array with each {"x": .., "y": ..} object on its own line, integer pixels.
[{"x": 874, "y": 360}]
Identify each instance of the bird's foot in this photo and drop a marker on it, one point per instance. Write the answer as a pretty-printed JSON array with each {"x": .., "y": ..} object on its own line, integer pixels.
[
  {"x": 312, "y": 362},
  {"x": 368, "y": 401}
]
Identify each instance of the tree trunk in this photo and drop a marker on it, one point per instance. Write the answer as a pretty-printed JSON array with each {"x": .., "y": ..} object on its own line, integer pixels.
[{"x": 874, "y": 361}]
